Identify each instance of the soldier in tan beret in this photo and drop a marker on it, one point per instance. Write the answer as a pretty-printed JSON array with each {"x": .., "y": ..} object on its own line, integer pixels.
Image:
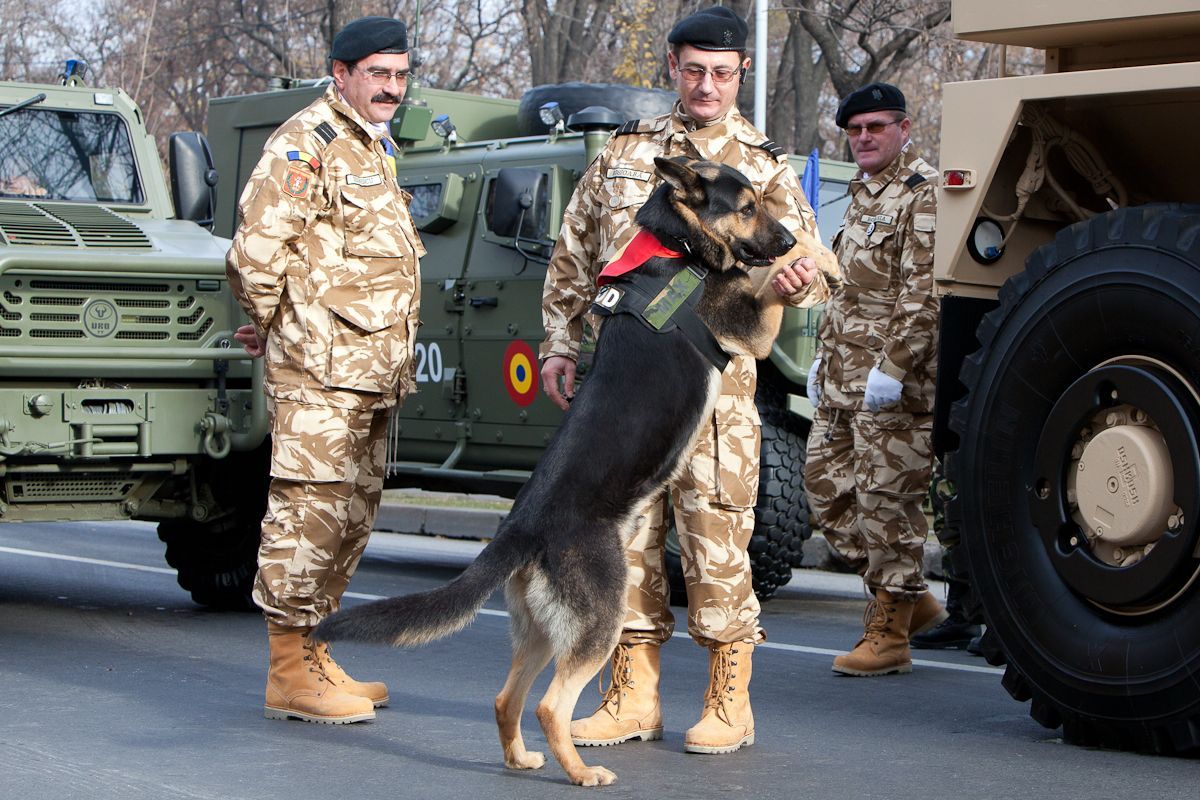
[
  {"x": 325, "y": 265},
  {"x": 714, "y": 496},
  {"x": 870, "y": 453}
]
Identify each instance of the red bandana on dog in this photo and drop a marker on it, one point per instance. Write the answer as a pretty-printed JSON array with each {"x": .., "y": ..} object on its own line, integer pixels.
[{"x": 643, "y": 247}]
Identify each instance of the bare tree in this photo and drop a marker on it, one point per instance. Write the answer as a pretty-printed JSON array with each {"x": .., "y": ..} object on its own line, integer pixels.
[{"x": 561, "y": 37}]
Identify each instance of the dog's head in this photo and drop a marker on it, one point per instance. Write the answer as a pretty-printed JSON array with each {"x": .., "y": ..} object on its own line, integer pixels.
[{"x": 716, "y": 212}]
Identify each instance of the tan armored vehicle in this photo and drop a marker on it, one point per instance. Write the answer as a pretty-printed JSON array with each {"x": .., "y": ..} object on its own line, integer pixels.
[{"x": 1069, "y": 245}]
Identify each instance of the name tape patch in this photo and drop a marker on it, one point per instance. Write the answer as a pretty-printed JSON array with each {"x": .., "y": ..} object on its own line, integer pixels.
[
  {"x": 364, "y": 180},
  {"x": 626, "y": 172}
]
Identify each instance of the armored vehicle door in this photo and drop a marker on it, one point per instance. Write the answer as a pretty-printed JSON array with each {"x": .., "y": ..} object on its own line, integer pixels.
[{"x": 489, "y": 222}]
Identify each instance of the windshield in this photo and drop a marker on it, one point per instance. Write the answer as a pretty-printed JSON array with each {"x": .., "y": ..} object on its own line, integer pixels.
[{"x": 67, "y": 155}]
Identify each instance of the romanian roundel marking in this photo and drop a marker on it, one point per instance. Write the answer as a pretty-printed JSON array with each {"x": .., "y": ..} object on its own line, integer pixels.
[{"x": 520, "y": 375}]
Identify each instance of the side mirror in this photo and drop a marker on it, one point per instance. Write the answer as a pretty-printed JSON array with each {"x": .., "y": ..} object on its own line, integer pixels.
[
  {"x": 518, "y": 203},
  {"x": 193, "y": 178}
]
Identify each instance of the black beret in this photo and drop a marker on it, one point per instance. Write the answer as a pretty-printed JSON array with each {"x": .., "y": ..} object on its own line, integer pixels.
[
  {"x": 872, "y": 97},
  {"x": 715, "y": 28},
  {"x": 367, "y": 36}
]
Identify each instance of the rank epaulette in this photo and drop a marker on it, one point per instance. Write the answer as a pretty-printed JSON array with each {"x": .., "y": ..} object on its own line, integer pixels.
[
  {"x": 914, "y": 180},
  {"x": 629, "y": 127},
  {"x": 326, "y": 132},
  {"x": 775, "y": 150}
]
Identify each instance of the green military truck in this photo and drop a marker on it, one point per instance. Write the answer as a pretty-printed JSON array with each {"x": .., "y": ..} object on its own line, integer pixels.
[
  {"x": 121, "y": 395},
  {"x": 1068, "y": 242},
  {"x": 490, "y": 180}
]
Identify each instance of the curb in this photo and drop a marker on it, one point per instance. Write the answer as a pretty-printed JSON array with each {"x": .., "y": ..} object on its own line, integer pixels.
[{"x": 473, "y": 523}]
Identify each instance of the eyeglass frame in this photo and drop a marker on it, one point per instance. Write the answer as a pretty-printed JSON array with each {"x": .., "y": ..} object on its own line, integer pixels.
[
  {"x": 382, "y": 77},
  {"x": 855, "y": 131},
  {"x": 736, "y": 72}
]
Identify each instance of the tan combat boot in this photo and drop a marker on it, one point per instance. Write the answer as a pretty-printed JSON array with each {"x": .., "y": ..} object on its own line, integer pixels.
[
  {"x": 727, "y": 723},
  {"x": 883, "y": 649},
  {"x": 630, "y": 709},
  {"x": 927, "y": 613},
  {"x": 375, "y": 691},
  {"x": 297, "y": 687}
]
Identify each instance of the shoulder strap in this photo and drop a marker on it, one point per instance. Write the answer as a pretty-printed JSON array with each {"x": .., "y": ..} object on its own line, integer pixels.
[
  {"x": 325, "y": 132},
  {"x": 629, "y": 127},
  {"x": 775, "y": 150},
  {"x": 914, "y": 180}
]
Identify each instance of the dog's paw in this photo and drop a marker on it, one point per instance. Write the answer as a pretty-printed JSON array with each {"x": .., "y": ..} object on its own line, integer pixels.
[
  {"x": 526, "y": 760},
  {"x": 594, "y": 776}
]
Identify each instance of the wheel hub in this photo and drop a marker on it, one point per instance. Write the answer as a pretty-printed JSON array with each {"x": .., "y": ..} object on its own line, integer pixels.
[
  {"x": 1118, "y": 479},
  {"x": 1124, "y": 487}
]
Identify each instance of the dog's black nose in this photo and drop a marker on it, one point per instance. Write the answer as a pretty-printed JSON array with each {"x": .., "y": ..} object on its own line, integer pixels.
[{"x": 786, "y": 240}]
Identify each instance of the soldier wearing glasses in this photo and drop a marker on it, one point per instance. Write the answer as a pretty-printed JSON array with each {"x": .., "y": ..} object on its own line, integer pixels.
[
  {"x": 869, "y": 449},
  {"x": 325, "y": 264},
  {"x": 714, "y": 497}
]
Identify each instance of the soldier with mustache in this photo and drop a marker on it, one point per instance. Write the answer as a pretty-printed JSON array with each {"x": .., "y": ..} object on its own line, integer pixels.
[{"x": 325, "y": 264}]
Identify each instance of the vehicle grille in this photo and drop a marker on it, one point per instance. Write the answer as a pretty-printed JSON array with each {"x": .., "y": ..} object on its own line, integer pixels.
[
  {"x": 77, "y": 488},
  {"x": 64, "y": 225},
  {"x": 169, "y": 312}
]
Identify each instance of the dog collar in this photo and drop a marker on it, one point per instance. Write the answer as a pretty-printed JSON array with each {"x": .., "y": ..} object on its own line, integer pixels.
[{"x": 641, "y": 248}]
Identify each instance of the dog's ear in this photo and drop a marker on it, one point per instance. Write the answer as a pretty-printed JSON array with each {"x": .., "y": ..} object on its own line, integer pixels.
[{"x": 681, "y": 176}]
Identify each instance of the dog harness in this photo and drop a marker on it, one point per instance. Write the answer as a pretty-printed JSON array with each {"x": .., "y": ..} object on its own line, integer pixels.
[{"x": 662, "y": 305}]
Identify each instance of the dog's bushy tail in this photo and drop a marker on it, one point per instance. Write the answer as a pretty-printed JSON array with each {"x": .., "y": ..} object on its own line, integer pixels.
[{"x": 420, "y": 618}]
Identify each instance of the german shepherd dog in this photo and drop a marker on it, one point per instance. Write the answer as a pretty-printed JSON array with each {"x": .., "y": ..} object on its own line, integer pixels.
[{"x": 561, "y": 550}]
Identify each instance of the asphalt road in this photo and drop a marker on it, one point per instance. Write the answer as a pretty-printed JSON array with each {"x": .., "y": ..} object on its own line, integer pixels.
[{"x": 114, "y": 685}]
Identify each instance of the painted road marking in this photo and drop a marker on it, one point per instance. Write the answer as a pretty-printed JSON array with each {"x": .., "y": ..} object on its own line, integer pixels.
[{"x": 491, "y": 612}]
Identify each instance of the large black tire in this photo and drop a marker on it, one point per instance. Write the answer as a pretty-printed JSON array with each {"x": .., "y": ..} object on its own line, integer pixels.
[
  {"x": 216, "y": 559},
  {"x": 630, "y": 102},
  {"x": 1108, "y": 313},
  {"x": 781, "y": 515}
]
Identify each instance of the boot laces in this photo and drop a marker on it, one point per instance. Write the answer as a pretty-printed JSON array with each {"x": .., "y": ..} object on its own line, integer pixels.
[
  {"x": 313, "y": 659},
  {"x": 876, "y": 619},
  {"x": 620, "y": 679},
  {"x": 720, "y": 686}
]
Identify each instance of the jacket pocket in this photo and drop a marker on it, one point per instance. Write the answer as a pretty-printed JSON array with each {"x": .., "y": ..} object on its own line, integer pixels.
[
  {"x": 871, "y": 258},
  {"x": 371, "y": 223},
  {"x": 367, "y": 345}
]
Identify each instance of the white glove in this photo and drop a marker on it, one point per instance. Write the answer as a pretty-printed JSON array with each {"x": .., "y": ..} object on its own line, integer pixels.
[
  {"x": 814, "y": 383},
  {"x": 882, "y": 390}
]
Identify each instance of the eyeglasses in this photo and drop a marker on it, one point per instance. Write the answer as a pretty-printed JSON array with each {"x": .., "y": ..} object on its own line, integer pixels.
[
  {"x": 873, "y": 128},
  {"x": 380, "y": 77},
  {"x": 719, "y": 75}
]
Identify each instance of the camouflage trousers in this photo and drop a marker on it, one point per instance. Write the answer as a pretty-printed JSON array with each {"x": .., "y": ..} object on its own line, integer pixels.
[
  {"x": 867, "y": 476},
  {"x": 713, "y": 503},
  {"x": 326, "y": 484}
]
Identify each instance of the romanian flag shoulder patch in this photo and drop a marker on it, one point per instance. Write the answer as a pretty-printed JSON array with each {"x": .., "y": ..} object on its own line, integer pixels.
[{"x": 304, "y": 158}]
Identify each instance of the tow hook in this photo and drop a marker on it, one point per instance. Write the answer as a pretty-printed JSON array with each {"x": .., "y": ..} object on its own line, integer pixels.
[{"x": 214, "y": 432}]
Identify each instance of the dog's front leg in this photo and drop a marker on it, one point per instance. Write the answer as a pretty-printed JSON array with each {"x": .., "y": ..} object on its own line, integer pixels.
[{"x": 554, "y": 712}]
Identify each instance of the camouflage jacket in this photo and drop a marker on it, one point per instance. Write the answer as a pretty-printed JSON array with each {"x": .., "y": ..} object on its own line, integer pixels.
[
  {"x": 884, "y": 314},
  {"x": 325, "y": 262},
  {"x": 599, "y": 220}
]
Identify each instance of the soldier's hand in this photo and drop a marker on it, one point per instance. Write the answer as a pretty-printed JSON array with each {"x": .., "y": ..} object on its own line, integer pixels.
[
  {"x": 882, "y": 390},
  {"x": 250, "y": 341},
  {"x": 795, "y": 276},
  {"x": 553, "y": 368}
]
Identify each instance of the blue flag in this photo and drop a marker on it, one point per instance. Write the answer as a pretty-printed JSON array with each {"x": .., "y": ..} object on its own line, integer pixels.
[{"x": 810, "y": 181}]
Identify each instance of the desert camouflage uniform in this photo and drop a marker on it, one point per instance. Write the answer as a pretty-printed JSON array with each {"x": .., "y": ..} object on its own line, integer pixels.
[
  {"x": 868, "y": 473},
  {"x": 716, "y": 493},
  {"x": 325, "y": 264}
]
